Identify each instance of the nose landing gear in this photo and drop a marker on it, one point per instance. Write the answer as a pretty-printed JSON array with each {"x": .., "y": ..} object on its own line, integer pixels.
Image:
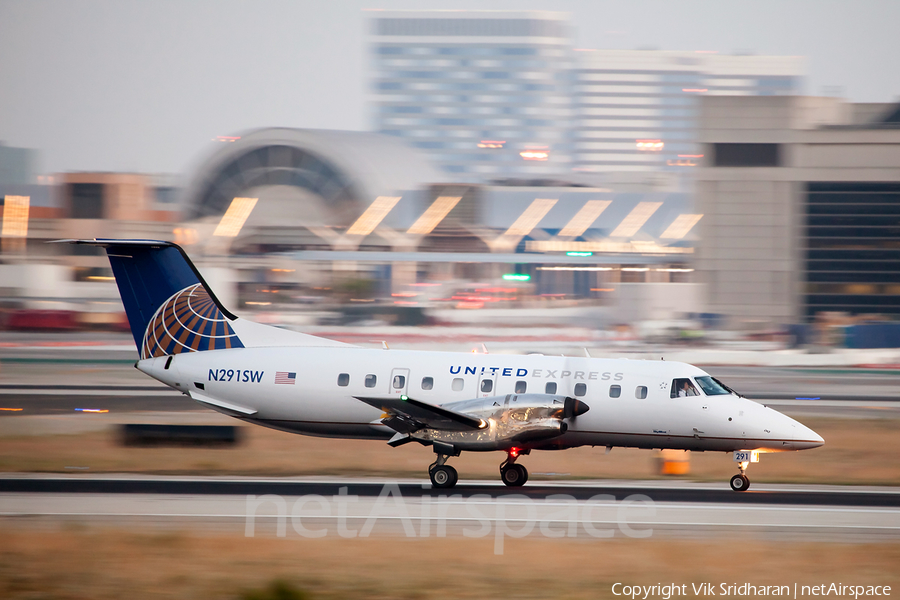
[
  {"x": 512, "y": 474},
  {"x": 740, "y": 482}
]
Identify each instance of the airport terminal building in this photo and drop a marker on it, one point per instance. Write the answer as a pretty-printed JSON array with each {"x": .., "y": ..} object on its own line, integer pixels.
[
  {"x": 801, "y": 204},
  {"x": 796, "y": 211},
  {"x": 285, "y": 211}
]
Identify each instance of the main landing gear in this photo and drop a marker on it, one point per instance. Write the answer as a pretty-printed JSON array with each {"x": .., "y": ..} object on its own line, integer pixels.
[
  {"x": 512, "y": 474},
  {"x": 442, "y": 475},
  {"x": 740, "y": 482}
]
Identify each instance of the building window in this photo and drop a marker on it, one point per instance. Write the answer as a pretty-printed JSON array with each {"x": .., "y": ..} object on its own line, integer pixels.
[
  {"x": 521, "y": 386},
  {"x": 615, "y": 391},
  {"x": 746, "y": 155},
  {"x": 852, "y": 249},
  {"x": 87, "y": 200},
  {"x": 550, "y": 388},
  {"x": 371, "y": 380},
  {"x": 580, "y": 389},
  {"x": 427, "y": 383},
  {"x": 344, "y": 379},
  {"x": 457, "y": 384},
  {"x": 640, "y": 392}
]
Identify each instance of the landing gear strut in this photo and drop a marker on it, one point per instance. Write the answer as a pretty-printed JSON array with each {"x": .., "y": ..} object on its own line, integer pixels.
[
  {"x": 740, "y": 482},
  {"x": 442, "y": 475},
  {"x": 512, "y": 474}
]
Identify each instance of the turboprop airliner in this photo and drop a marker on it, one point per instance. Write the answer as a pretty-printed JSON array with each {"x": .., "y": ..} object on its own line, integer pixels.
[{"x": 452, "y": 402}]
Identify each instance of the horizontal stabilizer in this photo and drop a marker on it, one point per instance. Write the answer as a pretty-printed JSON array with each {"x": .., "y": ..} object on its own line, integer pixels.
[{"x": 424, "y": 414}]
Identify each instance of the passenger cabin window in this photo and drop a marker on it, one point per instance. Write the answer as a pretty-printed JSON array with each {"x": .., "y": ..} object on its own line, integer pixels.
[
  {"x": 521, "y": 386},
  {"x": 713, "y": 387},
  {"x": 487, "y": 385},
  {"x": 615, "y": 391},
  {"x": 457, "y": 384},
  {"x": 344, "y": 379},
  {"x": 640, "y": 392},
  {"x": 399, "y": 382},
  {"x": 427, "y": 383},
  {"x": 580, "y": 389},
  {"x": 371, "y": 380},
  {"x": 682, "y": 388},
  {"x": 550, "y": 388}
]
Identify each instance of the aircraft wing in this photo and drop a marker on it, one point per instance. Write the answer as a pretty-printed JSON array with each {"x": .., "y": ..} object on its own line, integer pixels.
[{"x": 406, "y": 415}]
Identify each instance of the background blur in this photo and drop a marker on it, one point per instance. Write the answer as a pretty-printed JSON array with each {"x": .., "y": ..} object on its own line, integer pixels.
[
  {"x": 704, "y": 174},
  {"x": 705, "y": 181}
]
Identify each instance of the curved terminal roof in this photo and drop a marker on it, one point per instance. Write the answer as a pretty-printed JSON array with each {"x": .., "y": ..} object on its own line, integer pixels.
[{"x": 339, "y": 166}]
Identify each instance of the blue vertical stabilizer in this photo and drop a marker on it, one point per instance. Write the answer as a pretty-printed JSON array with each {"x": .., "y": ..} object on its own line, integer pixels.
[{"x": 170, "y": 308}]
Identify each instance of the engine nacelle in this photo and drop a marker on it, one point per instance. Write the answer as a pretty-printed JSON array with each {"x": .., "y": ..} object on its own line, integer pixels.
[{"x": 512, "y": 420}]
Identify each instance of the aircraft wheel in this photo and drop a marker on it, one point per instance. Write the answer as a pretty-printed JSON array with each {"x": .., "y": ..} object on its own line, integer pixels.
[
  {"x": 514, "y": 475},
  {"x": 443, "y": 476},
  {"x": 740, "y": 483}
]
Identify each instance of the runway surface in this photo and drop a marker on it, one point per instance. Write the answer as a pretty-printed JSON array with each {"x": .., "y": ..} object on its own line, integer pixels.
[
  {"x": 760, "y": 494},
  {"x": 363, "y": 507}
]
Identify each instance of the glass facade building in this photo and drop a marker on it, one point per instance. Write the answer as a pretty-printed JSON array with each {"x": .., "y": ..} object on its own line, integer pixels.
[
  {"x": 853, "y": 247},
  {"x": 486, "y": 93},
  {"x": 636, "y": 110}
]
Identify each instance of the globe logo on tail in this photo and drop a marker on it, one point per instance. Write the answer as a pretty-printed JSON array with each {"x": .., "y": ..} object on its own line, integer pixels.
[{"x": 189, "y": 321}]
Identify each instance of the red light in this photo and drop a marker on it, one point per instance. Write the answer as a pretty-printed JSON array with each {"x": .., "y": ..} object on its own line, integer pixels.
[{"x": 513, "y": 452}]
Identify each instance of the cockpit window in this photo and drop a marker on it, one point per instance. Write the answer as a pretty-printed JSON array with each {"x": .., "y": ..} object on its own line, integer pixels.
[
  {"x": 682, "y": 388},
  {"x": 712, "y": 386}
]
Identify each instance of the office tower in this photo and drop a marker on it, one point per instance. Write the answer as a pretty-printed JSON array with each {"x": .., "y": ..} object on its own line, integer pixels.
[
  {"x": 486, "y": 93},
  {"x": 636, "y": 110}
]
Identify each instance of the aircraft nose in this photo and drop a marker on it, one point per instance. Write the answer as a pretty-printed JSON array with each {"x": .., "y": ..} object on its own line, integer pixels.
[{"x": 804, "y": 437}]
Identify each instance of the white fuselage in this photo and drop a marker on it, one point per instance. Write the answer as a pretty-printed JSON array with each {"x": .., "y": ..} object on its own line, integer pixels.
[{"x": 326, "y": 381}]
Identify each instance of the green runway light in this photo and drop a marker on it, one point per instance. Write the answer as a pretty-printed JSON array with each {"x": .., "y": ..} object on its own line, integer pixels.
[
  {"x": 579, "y": 253},
  {"x": 516, "y": 277}
]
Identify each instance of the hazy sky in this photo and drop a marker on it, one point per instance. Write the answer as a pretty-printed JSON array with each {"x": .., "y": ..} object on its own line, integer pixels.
[{"x": 144, "y": 86}]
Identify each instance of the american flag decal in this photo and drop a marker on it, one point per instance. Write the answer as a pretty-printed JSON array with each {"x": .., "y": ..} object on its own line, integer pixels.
[{"x": 285, "y": 377}]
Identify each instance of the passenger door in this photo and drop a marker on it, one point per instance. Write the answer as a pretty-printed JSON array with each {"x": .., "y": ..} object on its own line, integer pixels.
[
  {"x": 487, "y": 385},
  {"x": 399, "y": 382}
]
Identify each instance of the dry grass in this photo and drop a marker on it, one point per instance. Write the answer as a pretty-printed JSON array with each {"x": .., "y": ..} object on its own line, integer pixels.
[
  {"x": 98, "y": 563},
  {"x": 856, "y": 452}
]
